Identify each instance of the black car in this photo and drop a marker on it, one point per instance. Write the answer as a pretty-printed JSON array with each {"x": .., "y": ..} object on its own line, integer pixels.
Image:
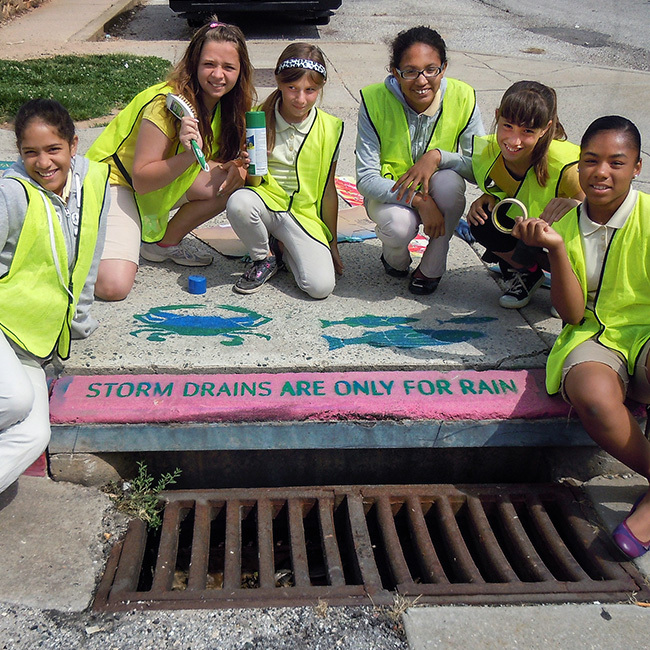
[{"x": 316, "y": 12}]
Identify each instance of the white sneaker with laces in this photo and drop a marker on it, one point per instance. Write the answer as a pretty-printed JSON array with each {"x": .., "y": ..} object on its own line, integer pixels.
[{"x": 177, "y": 254}]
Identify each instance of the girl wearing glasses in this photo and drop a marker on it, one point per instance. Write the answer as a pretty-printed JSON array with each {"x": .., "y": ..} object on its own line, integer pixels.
[{"x": 401, "y": 122}]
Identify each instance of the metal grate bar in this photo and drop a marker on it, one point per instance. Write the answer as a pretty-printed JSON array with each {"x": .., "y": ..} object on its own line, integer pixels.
[
  {"x": 232, "y": 559},
  {"x": 198, "y": 572},
  {"x": 487, "y": 542},
  {"x": 166, "y": 562},
  {"x": 265, "y": 544},
  {"x": 362, "y": 544},
  {"x": 460, "y": 556},
  {"x": 446, "y": 544},
  {"x": 428, "y": 558},
  {"x": 527, "y": 557},
  {"x": 399, "y": 567},
  {"x": 554, "y": 543},
  {"x": 331, "y": 552},
  {"x": 298, "y": 547},
  {"x": 128, "y": 569}
]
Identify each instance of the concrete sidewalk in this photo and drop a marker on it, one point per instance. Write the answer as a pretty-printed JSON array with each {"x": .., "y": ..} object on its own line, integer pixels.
[{"x": 294, "y": 332}]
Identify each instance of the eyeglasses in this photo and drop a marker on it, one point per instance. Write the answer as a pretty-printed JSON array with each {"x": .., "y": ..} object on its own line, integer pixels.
[{"x": 428, "y": 73}]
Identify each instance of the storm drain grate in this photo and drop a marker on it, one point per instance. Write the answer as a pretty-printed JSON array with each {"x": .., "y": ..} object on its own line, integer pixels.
[{"x": 362, "y": 544}]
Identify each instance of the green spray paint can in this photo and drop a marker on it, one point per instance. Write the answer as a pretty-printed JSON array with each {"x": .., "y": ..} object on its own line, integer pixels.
[{"x": 256, "y": 142}]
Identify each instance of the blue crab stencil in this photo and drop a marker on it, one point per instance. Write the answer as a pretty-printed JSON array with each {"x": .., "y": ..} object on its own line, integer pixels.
[
  {"x": 162, "y": 322},
  {"x": 397, "y": 332}
]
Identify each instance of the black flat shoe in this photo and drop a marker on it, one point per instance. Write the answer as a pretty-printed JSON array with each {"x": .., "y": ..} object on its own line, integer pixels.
[
  {"x": 396, "y": 273},
  {"x": 422, "y": 286}
]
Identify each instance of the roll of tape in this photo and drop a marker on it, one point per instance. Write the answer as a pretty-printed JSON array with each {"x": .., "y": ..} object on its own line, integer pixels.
[
  {"x": 196, "y": 284},
  {"x": 495, "y": 216}
]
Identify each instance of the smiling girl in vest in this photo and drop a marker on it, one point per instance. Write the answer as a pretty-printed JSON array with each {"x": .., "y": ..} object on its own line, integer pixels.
[
  {"x": 291, "y": 213},
  {"x": 52, "y": 222},
  {"x": 600, "y": 262},
  {"x": 153, "y": 168},
  {"x": 401, "y": 121},
  {"x": 528, "y": 158}
]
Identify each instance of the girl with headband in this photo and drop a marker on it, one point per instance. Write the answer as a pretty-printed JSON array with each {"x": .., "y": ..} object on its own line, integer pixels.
[
  {"x": 153, "y": 168},
  {"x": 599, "y": 255},
  {"x": 53, "y": 207},
  {"x": 529, "y": 159},
  {"x": 416, "y": 109},
  {"x": 290, "y": 215}
]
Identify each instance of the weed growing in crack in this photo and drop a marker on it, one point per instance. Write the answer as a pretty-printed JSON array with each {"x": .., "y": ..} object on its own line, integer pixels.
[{"x": 141, "y": 497}]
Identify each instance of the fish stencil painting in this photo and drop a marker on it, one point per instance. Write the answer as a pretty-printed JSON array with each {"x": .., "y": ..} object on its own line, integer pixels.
[{"x": 397, "y": 332}]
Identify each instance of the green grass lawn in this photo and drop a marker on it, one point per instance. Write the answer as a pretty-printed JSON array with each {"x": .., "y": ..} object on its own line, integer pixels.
[{"x": 88, "y": 86}]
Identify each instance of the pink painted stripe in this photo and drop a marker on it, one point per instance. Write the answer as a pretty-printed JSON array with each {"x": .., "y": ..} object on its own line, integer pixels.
[
  {"x": 38, "y": 467},
  {"x": 416, "y": 395}
]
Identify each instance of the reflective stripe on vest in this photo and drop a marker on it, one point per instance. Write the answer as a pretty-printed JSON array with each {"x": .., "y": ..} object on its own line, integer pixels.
[
  {"x": 314, "y": 165},
  {"x": 621, "y": 316},
  {"x": 121, "y": 135},
  {"x": 388, "y": 118},
  {"x": 36, "y": 310},
  {"x": 561, "y": 154}
]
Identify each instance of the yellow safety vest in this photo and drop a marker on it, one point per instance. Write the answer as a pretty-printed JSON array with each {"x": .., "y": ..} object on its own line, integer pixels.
[
  {"x": 314, "y": 165},
  {"x": 388, "y": 118},
  {"x": 36, "y": 311},
  {"x": 561, "y": 155},
  {"x": 620, "y": 319},
  {"x": 121, "y": 135}
]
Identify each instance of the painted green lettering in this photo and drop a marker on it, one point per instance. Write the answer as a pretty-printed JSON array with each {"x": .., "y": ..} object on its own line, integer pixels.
[
  {"x": 483, "y": 387},
  {"x": 387, "y": 386},
  {"x": 358, "y": 387},
  {"x": 190, "y": 386},
  {"x": 443, "y": 386},
  {"x": 342, "y": 385},
  {"x": 224, "y": 389},
  {"x": 143, "y": 388},
  {"x": 245, "y": 387},
  {"x": 319, "y": 388},
  {"x": 207, "y": 388},
  {"x": 109, "y": 387},
  {"x": 264, "y": 388},
  {"x": 130, "y": 387},
  {"x": 467, "y": 386},
  {"x": 95, "y": 390},
  {"x": 505, "y": 386},
  {"x": 426, "y": 387},
  {"x": 303, "y": 388},
  {"x": 287, "y": 388},
  {"x": 408, "y": 386},
  {"x": 167, "y": 390}
]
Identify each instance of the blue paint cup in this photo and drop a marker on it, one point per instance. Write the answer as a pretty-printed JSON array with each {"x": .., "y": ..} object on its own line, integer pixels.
[{"x": 196, "y": 284}]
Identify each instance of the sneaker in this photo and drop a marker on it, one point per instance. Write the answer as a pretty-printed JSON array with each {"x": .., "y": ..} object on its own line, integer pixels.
[
  {"x": 256, "y": 275},
  {"x": 522, "y": 286},
  {"x": 177, "y": 254},
  {"x": 396, "y": 273}
]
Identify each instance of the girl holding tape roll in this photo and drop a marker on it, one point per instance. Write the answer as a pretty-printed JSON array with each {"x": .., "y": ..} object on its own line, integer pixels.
[
  {"x": 599, "y": 256},
  {"x": 400, "y": 122},
  {"x": 527, "y": 159},
  {"x": 290, "y": 214},
  {"x": 159, "y": 151}
]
